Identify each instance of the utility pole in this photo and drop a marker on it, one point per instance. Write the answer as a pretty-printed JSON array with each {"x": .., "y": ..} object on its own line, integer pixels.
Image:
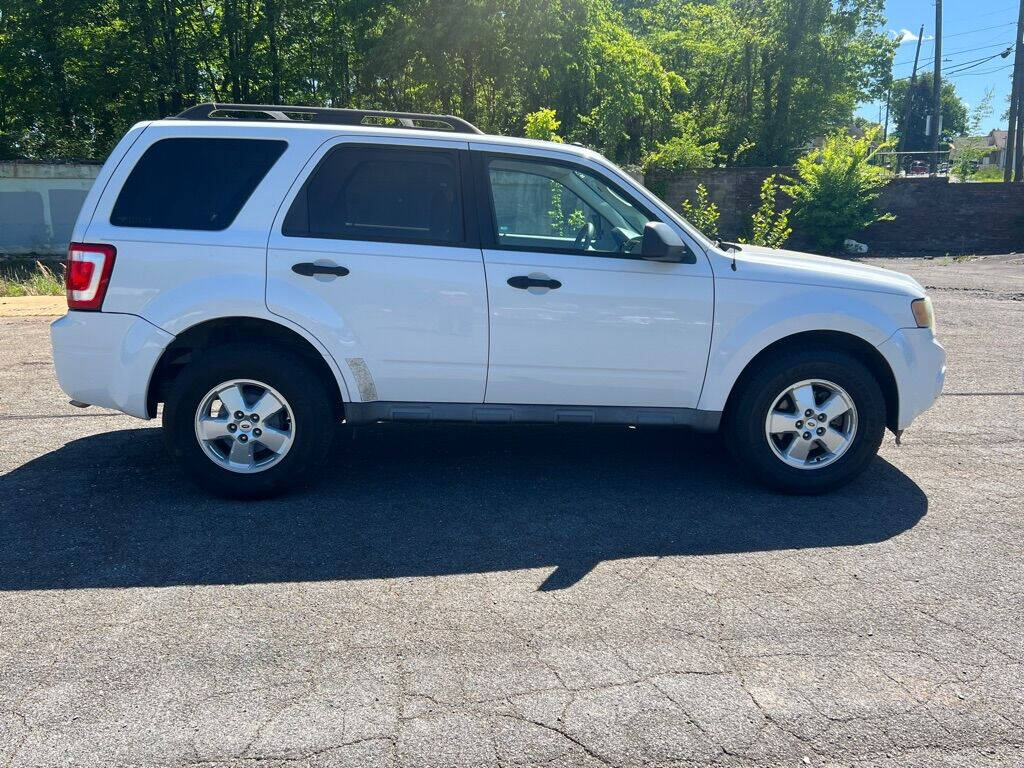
[
  {"x": 1011, "y": 128},
  {"x": 933, "y": 166},
  {"x": 1014, "y": 166},
  {"x": 888, "y": 98},
  {"x": 908, "y": 107}
]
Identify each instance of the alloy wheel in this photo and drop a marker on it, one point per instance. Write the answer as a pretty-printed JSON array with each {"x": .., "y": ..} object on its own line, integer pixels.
[
  {"x": 245, "y": 426},
  {"x": 811, "y": 424}
]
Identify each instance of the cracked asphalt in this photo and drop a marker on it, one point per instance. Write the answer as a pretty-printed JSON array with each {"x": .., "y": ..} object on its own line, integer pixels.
[{"x": 488, "y": 596}]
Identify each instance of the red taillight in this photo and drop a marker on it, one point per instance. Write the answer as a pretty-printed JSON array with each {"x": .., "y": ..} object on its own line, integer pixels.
[{"x": 88, "y": 273}]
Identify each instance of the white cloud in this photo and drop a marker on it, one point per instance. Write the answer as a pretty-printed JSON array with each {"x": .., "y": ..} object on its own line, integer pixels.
[{"x": 906, "y": 36}]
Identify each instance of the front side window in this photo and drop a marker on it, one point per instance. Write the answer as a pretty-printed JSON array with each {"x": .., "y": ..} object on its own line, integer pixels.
[
  {"x": 381, "y": 193},
  {"x": 550, "y": 206},
  {"x": 193, "y": 183}
]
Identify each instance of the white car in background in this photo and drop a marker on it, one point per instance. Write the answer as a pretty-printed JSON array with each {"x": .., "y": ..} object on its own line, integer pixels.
[{"x": 266, "y": 272}]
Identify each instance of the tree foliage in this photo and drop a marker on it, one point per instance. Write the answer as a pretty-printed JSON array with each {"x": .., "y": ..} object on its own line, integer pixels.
[
  {"x": 769, "y": 227},
  {"x": 836, "y": 188},
  {"x": 769, "y": 74},
  {"x": 683, "y": 152},
  {"x": 954, "y": 112},
  {"x": 693, "y": 81},
  {"x": 702, "y": 213},
  {"x": 542, "y": 124}
]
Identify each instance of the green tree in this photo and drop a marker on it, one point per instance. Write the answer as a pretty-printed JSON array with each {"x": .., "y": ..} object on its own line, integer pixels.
[
  {"x": 633, "y": 94},
  {"x": 691, "y": 82},
  {"x": 768, "y": 75},
  {"x": 954, "y": 112}
]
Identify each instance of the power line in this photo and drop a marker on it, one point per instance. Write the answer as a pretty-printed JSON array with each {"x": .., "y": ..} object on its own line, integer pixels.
[
  {"x": 963, "y": 65},
  {"x": 993, "y": 13},
  {"x": 962, "y": 50},
  {"x": 970, "y": 32},
  {"x": 983, "y": 29},
  {"x": 968, "y": 74},
  {"x": 987, "y": 71}
]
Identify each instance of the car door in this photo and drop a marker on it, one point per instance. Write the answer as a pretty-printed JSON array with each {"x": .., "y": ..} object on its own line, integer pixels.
[
  {"x": 576, "y": 316},
  {"x": 374, "y": 254}
]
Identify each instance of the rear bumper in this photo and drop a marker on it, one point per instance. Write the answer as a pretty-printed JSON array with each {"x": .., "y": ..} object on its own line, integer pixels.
[
  {"x": 918, "y": 362},
  {"x": 107, "y": 359}
]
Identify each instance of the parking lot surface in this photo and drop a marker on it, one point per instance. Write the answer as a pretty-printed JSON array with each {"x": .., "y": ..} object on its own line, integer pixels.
[{"x": 522, "y": 596}]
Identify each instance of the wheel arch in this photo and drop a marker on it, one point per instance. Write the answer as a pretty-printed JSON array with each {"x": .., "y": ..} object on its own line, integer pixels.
[
  {"x": 224, "y": 330},
  {"x": 863, "y": 350}
]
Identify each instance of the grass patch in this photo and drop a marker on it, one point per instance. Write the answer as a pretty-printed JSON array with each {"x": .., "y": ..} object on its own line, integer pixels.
[
  {"x": 988, "y": 173},
  {"x": 36, "y": 280}
]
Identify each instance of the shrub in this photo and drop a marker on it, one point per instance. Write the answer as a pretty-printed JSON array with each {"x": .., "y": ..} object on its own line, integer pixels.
[
  {"x": 680, "y": 153},
  {"x": 769, "y": 228},
  {"x": 683, "y": 152},
  {"x": 543, "y": 124},
  {"x": 703, "y": 214},
  {"x": 836, "y": 188}
]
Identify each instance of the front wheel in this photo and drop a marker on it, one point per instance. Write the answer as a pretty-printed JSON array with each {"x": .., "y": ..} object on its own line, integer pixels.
[
  {"x": 246, "y": 421},
  {"x": 806, "y": 421}
]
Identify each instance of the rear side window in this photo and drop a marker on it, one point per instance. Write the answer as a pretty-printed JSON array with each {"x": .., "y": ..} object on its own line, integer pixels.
[
  {"x": 193, "y": 183},
  {"x": 381, "y": 193}
]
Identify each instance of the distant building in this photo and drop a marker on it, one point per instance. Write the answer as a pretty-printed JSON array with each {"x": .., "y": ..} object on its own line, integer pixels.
[
  {"x": 996, "y": 138},
  {"x": 994, "y": 145}
]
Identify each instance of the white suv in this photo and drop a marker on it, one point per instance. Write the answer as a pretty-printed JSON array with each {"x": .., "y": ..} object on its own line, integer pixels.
[{"x": 266, "y": 272}]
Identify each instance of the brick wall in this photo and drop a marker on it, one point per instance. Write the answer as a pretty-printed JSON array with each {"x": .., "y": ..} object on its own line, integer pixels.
[{"x": 932, "y": 215}]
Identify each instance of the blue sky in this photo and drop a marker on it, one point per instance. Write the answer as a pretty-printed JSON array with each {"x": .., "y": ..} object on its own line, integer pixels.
[{"x": 970, "y": 31}]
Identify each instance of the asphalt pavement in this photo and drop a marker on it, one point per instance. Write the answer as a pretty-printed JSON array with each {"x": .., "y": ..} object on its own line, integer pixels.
[{"x": 522, "y": 596}]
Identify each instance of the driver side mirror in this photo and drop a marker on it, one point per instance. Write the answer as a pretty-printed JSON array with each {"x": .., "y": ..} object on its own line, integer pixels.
[{"x": 661, "y": 243}]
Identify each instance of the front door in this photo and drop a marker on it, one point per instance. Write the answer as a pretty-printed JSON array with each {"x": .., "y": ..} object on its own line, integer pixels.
[
  {"x": 576, "y": 317},
  {"x": 374, "y": 256}
]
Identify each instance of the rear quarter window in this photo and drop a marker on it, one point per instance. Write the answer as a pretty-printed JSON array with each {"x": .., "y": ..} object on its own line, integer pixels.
[{"x": 193, "y": 183}]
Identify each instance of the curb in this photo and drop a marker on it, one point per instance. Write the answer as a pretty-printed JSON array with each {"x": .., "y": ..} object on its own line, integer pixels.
[{"x": 33, "y": 306}]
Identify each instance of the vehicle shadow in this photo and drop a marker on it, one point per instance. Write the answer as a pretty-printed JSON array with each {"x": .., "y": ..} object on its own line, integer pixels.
[{"x": 109, "y": 510}]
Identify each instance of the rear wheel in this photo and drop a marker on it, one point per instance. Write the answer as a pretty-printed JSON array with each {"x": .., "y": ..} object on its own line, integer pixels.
[
  {"x": 248, "y": 421},
  {"x": 806, "y": 421}
]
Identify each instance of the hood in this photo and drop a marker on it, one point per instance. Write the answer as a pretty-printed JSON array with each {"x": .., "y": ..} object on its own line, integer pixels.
[{"x": 754, "y": 262}]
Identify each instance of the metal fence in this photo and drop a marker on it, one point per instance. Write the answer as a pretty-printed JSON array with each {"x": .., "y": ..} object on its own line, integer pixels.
[{"x": 919, "y": 163}]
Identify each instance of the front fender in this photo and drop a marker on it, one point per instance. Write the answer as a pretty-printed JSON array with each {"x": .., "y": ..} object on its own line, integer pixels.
[{"x": 752, "y": 315}]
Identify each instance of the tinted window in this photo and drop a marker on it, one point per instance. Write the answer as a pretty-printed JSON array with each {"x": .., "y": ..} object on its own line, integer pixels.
[
  {"x": 551, "y": 206},
  {"x": 193, "y": 183},
  {"x": 381, "y": 193}
]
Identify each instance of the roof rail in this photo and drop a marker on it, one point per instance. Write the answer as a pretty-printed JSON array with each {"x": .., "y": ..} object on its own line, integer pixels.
[{"x": 422, "y": 121}]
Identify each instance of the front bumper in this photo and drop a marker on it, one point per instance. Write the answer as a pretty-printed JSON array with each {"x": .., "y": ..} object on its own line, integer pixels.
[
  {"x": 918, "y": 362},
  {"x": 107, "y": 359}
]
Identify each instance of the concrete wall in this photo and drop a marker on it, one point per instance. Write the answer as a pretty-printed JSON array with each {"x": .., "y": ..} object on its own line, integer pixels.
[
  {"x": 39, "y": 203},
  {"x": 933, "y": 216}
]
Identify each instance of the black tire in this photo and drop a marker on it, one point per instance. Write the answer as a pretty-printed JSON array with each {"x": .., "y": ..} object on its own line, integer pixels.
[
  {"x": 744, "y": 422},
  {"x": 307, "y": 396}
]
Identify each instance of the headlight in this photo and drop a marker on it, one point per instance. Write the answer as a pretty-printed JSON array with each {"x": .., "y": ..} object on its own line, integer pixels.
[{"x": 923, "y": 312}]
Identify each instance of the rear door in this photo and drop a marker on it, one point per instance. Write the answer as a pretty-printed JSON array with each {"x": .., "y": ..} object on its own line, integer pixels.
[
  {"x": 576, "y": 316},
  {"x": 373, "y": 252}
]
